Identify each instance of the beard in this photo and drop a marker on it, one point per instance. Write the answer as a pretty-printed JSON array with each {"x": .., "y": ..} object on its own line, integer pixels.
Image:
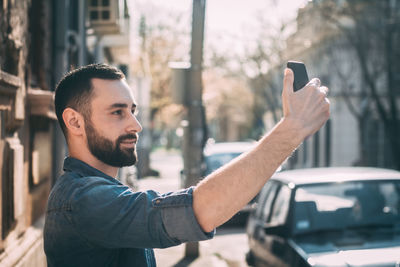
[{"x": 108, "y": 152}]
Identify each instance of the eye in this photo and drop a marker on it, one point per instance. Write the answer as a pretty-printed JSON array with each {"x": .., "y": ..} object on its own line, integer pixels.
[
  {"x": 117, "y": 112},
  {"x": 135, "y": 112}
]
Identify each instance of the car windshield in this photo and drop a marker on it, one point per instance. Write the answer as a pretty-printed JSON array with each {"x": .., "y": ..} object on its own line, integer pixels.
[
  {"x": 215, "y": 161},
  {"x": 348, "y": 205}
]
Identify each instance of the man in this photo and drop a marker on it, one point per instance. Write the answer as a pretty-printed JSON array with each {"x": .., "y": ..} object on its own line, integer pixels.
[{"x": 93, "y": 220}]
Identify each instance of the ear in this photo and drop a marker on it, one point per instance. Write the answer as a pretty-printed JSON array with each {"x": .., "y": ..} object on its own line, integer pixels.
[{"x": 73, "y": 121}]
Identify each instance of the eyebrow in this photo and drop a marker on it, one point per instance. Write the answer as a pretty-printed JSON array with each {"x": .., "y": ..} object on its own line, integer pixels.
[{"x": 121, "y": 105}]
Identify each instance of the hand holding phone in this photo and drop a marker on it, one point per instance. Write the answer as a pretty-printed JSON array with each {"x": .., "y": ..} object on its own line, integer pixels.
[{"x": 300, "y": 74}]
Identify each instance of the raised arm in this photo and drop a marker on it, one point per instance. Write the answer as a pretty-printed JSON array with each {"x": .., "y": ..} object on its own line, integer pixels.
[{"x": 223, "y": 193}]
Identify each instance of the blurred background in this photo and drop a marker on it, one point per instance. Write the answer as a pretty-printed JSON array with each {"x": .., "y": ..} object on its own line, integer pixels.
[{"x": 202, "y": 73}]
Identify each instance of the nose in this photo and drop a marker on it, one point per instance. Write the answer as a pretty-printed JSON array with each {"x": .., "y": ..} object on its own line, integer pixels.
[{"x": 134, "y": 125}]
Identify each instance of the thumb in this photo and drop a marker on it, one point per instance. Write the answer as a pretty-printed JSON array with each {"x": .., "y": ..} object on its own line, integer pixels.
[{"x": 288, "y": 80}]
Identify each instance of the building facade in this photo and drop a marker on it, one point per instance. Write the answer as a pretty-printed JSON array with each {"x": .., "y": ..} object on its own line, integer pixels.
[
  {"x": 40, "y": 40},
  {"x": 355, "y": 134}
]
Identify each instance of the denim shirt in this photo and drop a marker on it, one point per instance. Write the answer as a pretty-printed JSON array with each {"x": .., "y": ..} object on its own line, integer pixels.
[{"x": 94, "y": 220}]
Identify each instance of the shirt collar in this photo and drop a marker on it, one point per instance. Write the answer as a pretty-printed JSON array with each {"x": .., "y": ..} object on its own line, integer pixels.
[{"x": 83, "y": 169}]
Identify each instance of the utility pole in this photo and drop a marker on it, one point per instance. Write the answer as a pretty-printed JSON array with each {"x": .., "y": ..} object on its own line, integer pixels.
[
  {"x": 187, "y": 90},
  {"x": 143, "y": 85},
  {"x": 194, "y": 134}
]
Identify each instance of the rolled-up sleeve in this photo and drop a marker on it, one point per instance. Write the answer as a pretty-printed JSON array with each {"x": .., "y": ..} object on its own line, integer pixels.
[
  {"x": 114, "y": 216},
  {"x": 178, "y": 217}
]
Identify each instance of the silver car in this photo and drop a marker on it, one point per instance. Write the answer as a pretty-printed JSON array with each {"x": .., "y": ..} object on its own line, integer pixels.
[{"x": 327, "y": 217}]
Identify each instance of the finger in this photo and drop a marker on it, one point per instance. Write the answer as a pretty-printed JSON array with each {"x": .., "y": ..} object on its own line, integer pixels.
[
  {"x": 288, "y": 79},
  {"x": 324, "y": 89},
  {"x": 315, "y": 82},
  {"x": 327, "y": 101}
]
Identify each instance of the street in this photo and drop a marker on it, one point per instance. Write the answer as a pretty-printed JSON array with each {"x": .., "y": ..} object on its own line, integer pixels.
[{"x": 227, "y": 248}]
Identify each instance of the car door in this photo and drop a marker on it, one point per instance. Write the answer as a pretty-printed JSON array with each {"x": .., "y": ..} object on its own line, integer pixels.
[
  {"x": 257, "y": 221},
  {"x": 255, "y": 218},
  {"x": 274, "y": 247},
  {"x": 278, "y": 217}
]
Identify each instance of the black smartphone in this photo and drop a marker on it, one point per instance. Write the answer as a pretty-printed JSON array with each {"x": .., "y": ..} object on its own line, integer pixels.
[{"x": 300, "y": 74}]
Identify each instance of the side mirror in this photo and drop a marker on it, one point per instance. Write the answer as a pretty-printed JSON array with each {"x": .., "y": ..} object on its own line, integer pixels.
[{"x": 278, "y": 230}]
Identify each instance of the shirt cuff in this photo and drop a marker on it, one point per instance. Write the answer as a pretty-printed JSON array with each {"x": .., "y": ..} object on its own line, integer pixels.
[{"x": 178, "y": 216}]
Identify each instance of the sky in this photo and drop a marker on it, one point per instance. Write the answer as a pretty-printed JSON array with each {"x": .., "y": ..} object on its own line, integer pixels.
[{"x": 229, "y": 24}]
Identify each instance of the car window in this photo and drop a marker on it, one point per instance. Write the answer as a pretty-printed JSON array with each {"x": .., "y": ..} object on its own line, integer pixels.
[
  {"x": 280, "y": 207},
  {"x": 215, "y": 161},
  {"x": 349, "y": 204},
  {"x": 265, "y": 199}
]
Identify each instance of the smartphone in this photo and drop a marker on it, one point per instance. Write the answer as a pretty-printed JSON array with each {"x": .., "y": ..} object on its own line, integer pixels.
[{"x": 300, "y": 74}]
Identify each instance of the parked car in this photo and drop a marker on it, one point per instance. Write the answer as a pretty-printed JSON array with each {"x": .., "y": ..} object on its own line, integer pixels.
[
  {"x": 327, "y": 217},
  {"x": 217, "y": 155}
]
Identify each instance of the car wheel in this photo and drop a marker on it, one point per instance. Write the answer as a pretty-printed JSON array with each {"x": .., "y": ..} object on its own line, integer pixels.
[{"x": 250, "y": 258}]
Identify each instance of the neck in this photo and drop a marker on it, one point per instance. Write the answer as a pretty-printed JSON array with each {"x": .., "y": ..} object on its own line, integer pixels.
[
  {"x": 87, "y": 157},
  {"x": 101, "y": 166}
]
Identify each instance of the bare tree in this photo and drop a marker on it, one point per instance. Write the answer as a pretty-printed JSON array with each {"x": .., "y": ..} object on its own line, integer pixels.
[
  {"x": 159, "y": 42},
  {"x": 371, "y": 28},
  {"x": 163, "y": 41},
  {"x": 228, "y": 103},
  {"x": 259, "y": 65}
]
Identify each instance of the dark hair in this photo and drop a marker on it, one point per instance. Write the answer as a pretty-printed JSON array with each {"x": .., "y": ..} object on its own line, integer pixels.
[{"x": 75, "y": 88}]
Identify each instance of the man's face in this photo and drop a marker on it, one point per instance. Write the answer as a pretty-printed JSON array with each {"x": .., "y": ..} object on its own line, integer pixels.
[
  {"x": 110, "y": 151},
  {"x": 112, "y": 128}
]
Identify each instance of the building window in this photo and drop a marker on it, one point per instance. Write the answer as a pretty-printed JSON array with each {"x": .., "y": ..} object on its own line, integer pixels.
[
  {"x": 316, "y": 149},
  {"x": 7, "y": 193},
  {"x": 105, "y": 16},
  {"x": 40, "y": 147},
  {"x": 305, "y": 152},
  {"x": 11, "y": 153},
  {"x": 328, "y": 143},
  {"x": 7, "y": 182},
  {"x": 99, "y": 10},
  {"x": 294, "y": 159}
]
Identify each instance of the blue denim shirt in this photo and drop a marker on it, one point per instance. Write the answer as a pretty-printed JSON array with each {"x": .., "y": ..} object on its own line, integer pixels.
[{"x": 94, "y": 220}]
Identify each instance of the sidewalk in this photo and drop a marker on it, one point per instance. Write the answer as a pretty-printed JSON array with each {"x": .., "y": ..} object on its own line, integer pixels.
[{"x": 226, "y": 249}]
